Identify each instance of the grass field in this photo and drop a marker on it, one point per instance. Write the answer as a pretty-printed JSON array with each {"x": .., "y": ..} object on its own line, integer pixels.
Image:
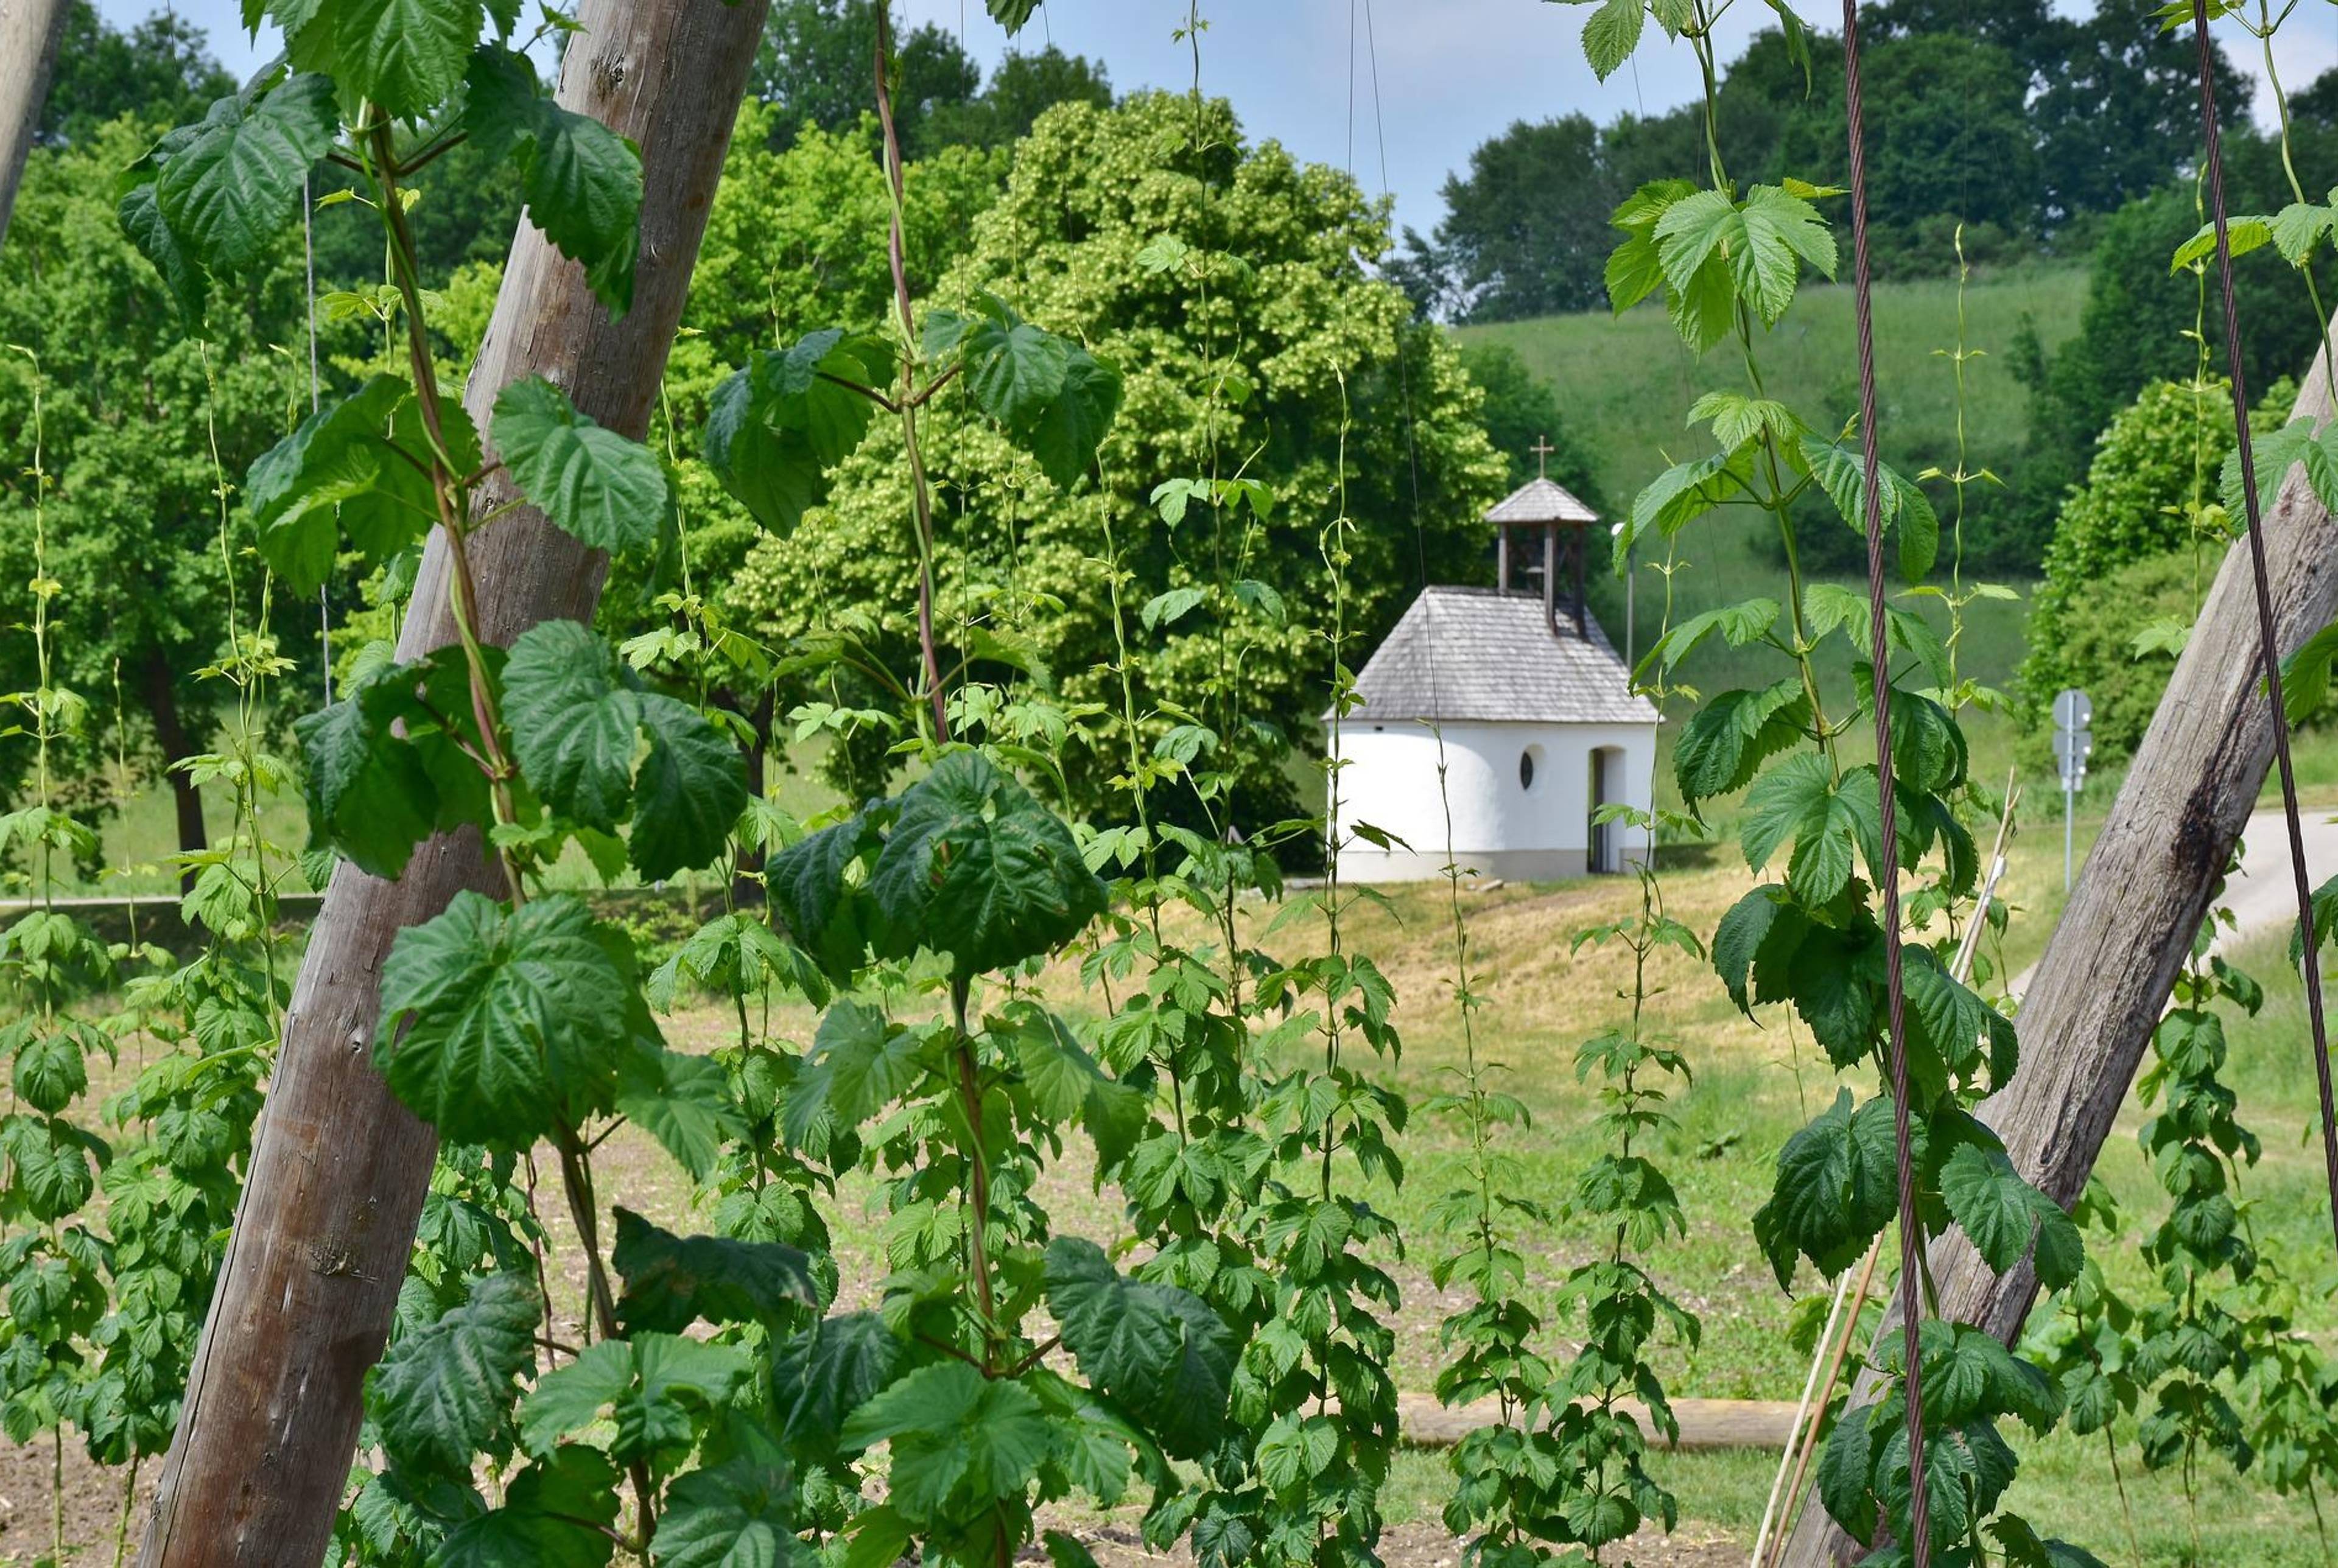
[{"x": 1627, "y": 383}]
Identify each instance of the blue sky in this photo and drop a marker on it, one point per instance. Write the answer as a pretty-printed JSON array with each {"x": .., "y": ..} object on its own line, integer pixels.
[{"x": 1452, "y": 73}]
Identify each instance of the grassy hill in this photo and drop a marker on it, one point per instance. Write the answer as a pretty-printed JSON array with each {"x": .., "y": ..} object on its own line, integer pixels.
[{"x": 1626, "y": 382}]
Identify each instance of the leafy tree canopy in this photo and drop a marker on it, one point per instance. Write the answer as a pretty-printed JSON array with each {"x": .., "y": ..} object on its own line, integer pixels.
[
  {"x": 2132, "y": 553},
  {"x": 2008, "y": 118},
  {"x": 814, "y": 67},
  {"x": 130, "y": 405},
  {"x": 160, "y": 71},
  {"x": 1177, "y": 266}
]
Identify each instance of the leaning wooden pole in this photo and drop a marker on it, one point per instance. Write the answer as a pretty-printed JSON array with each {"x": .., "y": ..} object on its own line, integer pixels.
[
  {"x": 305, "y": 1297},
  {"x": 30, "y": 32},
  {"x": 2113, "y": 960}
]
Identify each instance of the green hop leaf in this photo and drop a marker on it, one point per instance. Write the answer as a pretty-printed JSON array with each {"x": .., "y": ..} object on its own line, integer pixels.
[
  {"x": 961, "y": 1441},
  {"x": 737, "y": 1515},
  {"x": 497, "y": 1026},
  {"x": 1053, "y": 397},
  {"x": 442, "y": 1392},
  {"x": 2002, "y": 1212},
  {"x": 407, "y": 56},
  {"x": 820, "y": 1378},
  {"x": 575, "y": 712},
  {"x": 553, "y": 1516},
  {"x": 780, "y": 426},
  {"x": 141, "y": 215},
  {"x": 1157, "y": 1352},
  {"x": 599, "y": 487},
  {"x": 859, "y": 1063},
  {"x": 673, "y": 1281},
  {"x": 383, "y": 772},
  {"x": 227, "y": 190},
  {"x": 654, "y": 1387},
  {"x": 976, "y": 867}
]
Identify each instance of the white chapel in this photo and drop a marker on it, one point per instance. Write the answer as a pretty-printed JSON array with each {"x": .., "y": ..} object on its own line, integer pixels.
[{"x": 1539, "y": 724}]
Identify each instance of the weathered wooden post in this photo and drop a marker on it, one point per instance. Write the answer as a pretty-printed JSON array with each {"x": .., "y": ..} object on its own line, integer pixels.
[
  {"x": 30, "y": 31},
  {"x": 2112, "y": 961},
  {"x": 341, "y": 1168}
]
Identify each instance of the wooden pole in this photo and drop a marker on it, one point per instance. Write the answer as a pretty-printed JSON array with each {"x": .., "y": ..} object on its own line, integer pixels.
[
  {"x": 2112, "y": 961},
  {"x": 304, "y": 1302},
  {"x": 30, "y": 32}
]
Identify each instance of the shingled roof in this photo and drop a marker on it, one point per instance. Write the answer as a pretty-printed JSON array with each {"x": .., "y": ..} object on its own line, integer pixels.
[
  {"x": 1477, "y": 654},
  {"x": 1542, "y": 501}
]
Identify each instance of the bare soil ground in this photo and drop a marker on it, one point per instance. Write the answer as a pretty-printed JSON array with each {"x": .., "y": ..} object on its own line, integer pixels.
[
  {"x": 92, "y": 1497},
  {"x": 1423, "y": 1545}
]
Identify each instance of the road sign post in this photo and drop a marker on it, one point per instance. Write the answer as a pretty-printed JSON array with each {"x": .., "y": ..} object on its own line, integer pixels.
[{"x": 2074, "y": 739}]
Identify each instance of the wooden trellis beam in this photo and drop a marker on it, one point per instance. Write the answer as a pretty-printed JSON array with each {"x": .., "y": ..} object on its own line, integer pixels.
[
  {"x": 337, "y": 1177},
  {"x": 2113, "y": 960}
]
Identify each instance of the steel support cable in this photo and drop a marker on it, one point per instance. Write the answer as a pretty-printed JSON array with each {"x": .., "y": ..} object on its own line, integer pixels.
[
  {"x": 2312, "y": 965},
  {"x": 1887, "y": 873}
]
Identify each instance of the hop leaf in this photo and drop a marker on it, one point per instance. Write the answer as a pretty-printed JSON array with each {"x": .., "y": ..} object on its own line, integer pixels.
[
  {"x": 230, "y": 183},
  {"x": 1053, "y": 397},
  {"x": 2002, "y": 1212},
  {"x": 778, "y": 425},
  {"x": 737, "y": 1515},
  {"x": 1611, "y": 34},
  {"x": 383, "y": 772},
  {"x": 406, "y": 56},
  {"x": 553, "y": 1516},
  {"x": 820, "y": 1378},
  {"x": 977, "y": 868},
  {"x": 961, "y": 1441},
  {"x": 1156, "y": 1351},
  {"x": 498, "y": 1026},
  {"x": 443, "y": 1391},
  {"x": 673, "y": 1281},
  {"x": 600, "y": 488},
  {"x": 575, "y": 712},
  {"x": 859, "y": 1063},
  {"x": 653, "y": 1386}
]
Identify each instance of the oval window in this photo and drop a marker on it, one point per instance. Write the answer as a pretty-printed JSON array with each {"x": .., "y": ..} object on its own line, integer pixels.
[{"x": 1525, "y": 769}]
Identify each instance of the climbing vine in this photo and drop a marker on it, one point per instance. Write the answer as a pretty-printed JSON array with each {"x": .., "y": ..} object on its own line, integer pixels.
[{"x": 1727, "y": 262}]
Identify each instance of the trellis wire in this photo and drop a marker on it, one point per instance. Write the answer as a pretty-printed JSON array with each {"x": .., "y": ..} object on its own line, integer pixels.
[
  {"x": 1887, "y": 874},
  {"x": 2312, "y": 965},
  {"x": 308, "y": 257}
]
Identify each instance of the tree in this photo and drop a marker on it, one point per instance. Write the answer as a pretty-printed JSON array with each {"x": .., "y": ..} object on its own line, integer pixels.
[
  {"x": 161, "y": 71},
  {"x": 2138, "y": 324},
  {"x": 1022, "y": 87},
  {"x": 1108, "y": 220},
  {"x": 1519, "y": 413},
  {"x": 2120, "y": 112},
  {"x": 1948, "y": 142},
  {"x": 1526, "y": 232},
  {"x": 131, "y": 407}
]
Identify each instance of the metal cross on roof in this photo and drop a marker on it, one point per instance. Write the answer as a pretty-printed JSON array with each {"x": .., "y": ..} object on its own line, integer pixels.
[{"x": 1542, "y": 449}]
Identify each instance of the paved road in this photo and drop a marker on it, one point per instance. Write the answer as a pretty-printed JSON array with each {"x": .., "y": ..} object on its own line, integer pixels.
[{"x": 2264, "y": 897}]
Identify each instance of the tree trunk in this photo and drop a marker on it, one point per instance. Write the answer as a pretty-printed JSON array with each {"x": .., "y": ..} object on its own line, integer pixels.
[
  {"x": 171, "y": 736},
  {"x": 29, "y": 34},
  {"x": 305, "y": 1297},
  {"x": 2112, "y": 961}
]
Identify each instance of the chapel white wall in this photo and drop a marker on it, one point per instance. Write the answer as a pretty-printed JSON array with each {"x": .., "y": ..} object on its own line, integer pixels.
[{"x": 1500, "y": 828}]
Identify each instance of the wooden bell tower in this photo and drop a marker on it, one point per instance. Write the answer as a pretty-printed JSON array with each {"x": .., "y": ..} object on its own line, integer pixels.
[{"x": 1549, "y": 522}]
